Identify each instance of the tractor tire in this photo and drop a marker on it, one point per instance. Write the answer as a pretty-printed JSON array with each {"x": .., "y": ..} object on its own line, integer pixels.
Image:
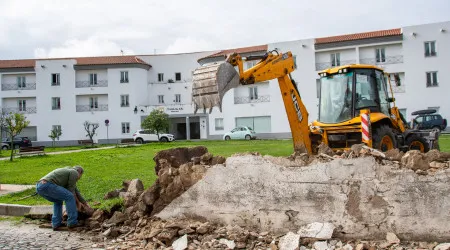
[
  {"x": 384, "y": 138},
  {"x": 415, "y": 142}
]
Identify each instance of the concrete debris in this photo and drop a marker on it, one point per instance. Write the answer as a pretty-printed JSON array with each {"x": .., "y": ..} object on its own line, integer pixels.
[
  {"x": 317, "y": 230},
  {"x": 202, "y": 201},
  {"x": 289, "y": 242},
  {"x": 229, "y": 243},
  {"x": 442, "y": 246},
  {"x": 391, "y": 238},
  {"x": 324, "y": 149}
]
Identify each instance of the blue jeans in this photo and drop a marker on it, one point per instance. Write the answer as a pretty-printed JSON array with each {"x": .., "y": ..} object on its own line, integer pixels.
[{"x": 57, "y": 195}]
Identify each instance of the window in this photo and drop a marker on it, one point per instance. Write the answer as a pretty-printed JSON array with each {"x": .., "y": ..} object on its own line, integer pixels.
[
  {"x": 397, "y": 79},
  {"x": 335, "y": 59},
  {"x": 430, "y": 48},
  {"x": 93, "y": 79},
  {"x": 124, "y": 101},
  {"x": 56, "y": 103},
  {"x": 22, "y": 105},
  {"x": 93, "y": 102},
  {"x": 125, "y": 127},
  {"x": 160, "y": 99},
  {"x": 177, "y": 76},
  {"x": 251, "y": 64},
  {"x": 253, "y": 93},
  {"x": 260, "y": 124},
  {"x": 432, "y": 79},
  {"x": 55, "y": 80},
  {"x": 21, "y": 82},
  {"x": 56, "y": 127},
  {"x": 219, "y": 123},
  {"x": 160, "y": 77},
  {"x": 178, "y": 98},
  {"x": 380, "y": 55},
  {"x": 403, "y": 112},
  {"x": 318, "y": 88},
  {"x": 123, "y": 76}
]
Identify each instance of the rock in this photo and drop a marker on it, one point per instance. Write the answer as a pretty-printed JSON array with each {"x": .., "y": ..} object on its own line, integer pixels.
[
  {"x": 181, "y": 243},
  {"x": 186, "y": 231},
  {"x": 320, "y": 245},
  {"x": 98, "y": 215},
  {"x": 175, "y": 224},
  {"x": 392, "y": 238},
  {"x": 154, "y": 232},
  {"x": 356, "y": 149},
  {"x": 111, "y": 233},
  {"x": 111, "y": 194},
  {"x": 218, "y": 160},
  {"x": 394, "y": 154},
  {"x": 135, "y": 187},
  {"x": 149, "y": 196},
  {"x": 347, "y": 247},
  {"x": 206, "y": 158},
  {"x": 317, "y": 230},
  {"x": 241, "y": 245},
  {"x": 129, "y": 199},
  {"x": 290, "y": 241},
  {"x": 93, "y": 224},
  {"x": 438, "y": 165},
  {"x": 117, "y": 218},
  {"x": 167, "y": 235},
  {"x": 203, "y": 228},
  {"x": 433, "y": 155},
  {"x": 229, "y": 243},
  {"x": 415, "y": 160},
  {"x": 442, "y": 246},
  {"x": 196, "y": 160},
  {"x": 178, "y": 156},
  {"x": 324, "y": 149}
]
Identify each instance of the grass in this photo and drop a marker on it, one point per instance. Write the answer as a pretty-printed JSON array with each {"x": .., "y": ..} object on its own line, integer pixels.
[{"x": 106, "y": 169}]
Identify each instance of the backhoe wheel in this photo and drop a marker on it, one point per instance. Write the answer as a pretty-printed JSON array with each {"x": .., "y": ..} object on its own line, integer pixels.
[
  {"x": 384, "y": 138},
  {"x": 416, "y": 142}
]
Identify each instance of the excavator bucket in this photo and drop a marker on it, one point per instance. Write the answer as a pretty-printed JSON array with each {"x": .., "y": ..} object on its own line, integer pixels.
[{"x": 210, "y": 83}]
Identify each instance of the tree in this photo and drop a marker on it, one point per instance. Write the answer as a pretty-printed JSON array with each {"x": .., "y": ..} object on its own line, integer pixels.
[
  {"x": 15, "y": 123},
  {"x": 90, "y": 129},
  {"x": 2, "y": 124},
  {"x": 55, "y": 133},
  {"x": 157, "y": 121}
]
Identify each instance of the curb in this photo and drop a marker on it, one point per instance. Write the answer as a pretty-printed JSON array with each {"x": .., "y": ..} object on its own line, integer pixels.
[{"x": 21, "y": 210}]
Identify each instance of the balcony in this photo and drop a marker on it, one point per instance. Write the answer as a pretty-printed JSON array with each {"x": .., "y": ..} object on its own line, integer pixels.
[
  {"x": 326, "y": 65},
  {"x": 89, "y": 84},
  {"x": 88, "y": 108},
  {"x": 27, "y": 110},
  {"x": 246, "y": 99},
  {"x": 15, "y": 86},
  {"x": 388, "y": 60}
]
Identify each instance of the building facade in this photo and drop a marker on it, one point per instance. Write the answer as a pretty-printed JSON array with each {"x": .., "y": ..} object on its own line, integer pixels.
[{"x": 125, "y": 89}]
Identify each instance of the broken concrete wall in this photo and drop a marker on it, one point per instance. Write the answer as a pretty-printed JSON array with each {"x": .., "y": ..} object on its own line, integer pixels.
[{"x": 362, "y": 198}]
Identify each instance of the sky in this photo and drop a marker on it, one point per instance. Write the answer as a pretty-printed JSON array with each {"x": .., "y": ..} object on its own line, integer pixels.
[{"x": 69, "y": 28}]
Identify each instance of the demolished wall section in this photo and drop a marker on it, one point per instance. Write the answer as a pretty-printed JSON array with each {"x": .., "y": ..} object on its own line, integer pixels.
[{"x": 361, "y": 197}]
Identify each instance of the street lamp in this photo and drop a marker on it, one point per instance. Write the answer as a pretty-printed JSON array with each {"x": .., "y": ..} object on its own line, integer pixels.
[{"x": 107, "y": 126}]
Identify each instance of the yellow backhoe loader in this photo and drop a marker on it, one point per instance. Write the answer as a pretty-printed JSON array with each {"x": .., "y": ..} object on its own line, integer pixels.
[{"x": 354, "y": 104}]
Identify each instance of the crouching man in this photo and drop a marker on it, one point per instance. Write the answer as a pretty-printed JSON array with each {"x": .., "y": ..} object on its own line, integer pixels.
[{"x": 60, "y": 186}]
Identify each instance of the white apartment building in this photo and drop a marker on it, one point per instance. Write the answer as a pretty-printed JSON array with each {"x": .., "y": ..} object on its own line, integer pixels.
[{"x": 125, "y": 89}]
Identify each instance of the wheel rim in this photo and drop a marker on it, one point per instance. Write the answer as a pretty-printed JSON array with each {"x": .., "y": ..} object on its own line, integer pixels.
[
  {"x": 247, "y": 137},
  {"x": 386, "y": 143},
  {"x": 227, "y": 138},
  {"x": 417, "y": 145}
]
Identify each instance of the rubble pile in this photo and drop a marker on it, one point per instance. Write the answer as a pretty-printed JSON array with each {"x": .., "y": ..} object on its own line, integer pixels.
[{"x": 178, "y": 169}]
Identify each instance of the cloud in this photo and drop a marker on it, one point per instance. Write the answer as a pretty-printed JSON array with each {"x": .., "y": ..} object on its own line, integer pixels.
[
  {"x": 93, "y": 46},
  {"x": 188, "y": 44}
]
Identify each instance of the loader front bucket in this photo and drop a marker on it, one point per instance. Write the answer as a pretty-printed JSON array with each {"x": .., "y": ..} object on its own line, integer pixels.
[{"x": 210, "y": 83}]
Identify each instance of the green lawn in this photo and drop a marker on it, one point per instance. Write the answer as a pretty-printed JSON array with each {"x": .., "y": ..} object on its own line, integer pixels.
[{"x": 106, "y": 169}]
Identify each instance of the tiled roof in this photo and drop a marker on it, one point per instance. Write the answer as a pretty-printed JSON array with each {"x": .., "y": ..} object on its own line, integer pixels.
[
  {"x": 226, "y": 52},
  {"x": 358, "y": 36},
  {"x": 103, "y": 60}
]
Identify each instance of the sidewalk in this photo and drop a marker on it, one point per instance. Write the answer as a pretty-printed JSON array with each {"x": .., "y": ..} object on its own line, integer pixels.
[{"x": 11, "y": 188}]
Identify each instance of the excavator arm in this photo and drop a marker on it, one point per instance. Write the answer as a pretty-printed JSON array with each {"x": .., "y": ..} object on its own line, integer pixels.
[{"x": 211, "y": 82}]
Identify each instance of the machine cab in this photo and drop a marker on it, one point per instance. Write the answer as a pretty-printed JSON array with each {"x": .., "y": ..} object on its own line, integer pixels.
[{"x": 345, "y": 90}]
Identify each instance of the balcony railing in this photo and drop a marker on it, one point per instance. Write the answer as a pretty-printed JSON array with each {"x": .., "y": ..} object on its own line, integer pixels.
[
  {"x": 15, "y": 86},
  {"x": 246, "y": 99},
  {"x": 89, "y": 108},
  {"x": 326, "y": 65},
  {"x": 388, "y": 60},
  {"x": 27, "y": 110},
  {"x": 89, "y": 84}
]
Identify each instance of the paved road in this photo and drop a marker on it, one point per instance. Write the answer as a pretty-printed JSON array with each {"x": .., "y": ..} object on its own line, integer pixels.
[{"x": 15, "y": 235}]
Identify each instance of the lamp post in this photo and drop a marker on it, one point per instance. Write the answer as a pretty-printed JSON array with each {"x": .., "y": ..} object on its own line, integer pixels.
[{"x": 107, "y": 126}]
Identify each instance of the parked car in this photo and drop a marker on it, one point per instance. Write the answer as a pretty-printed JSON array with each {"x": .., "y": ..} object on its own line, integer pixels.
[
  {"x": 428, "y": 119},
  {"x": 18, "y": 142},
  {"x": 141, "y": 136},
  {"x": 240, "y": 133}
]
